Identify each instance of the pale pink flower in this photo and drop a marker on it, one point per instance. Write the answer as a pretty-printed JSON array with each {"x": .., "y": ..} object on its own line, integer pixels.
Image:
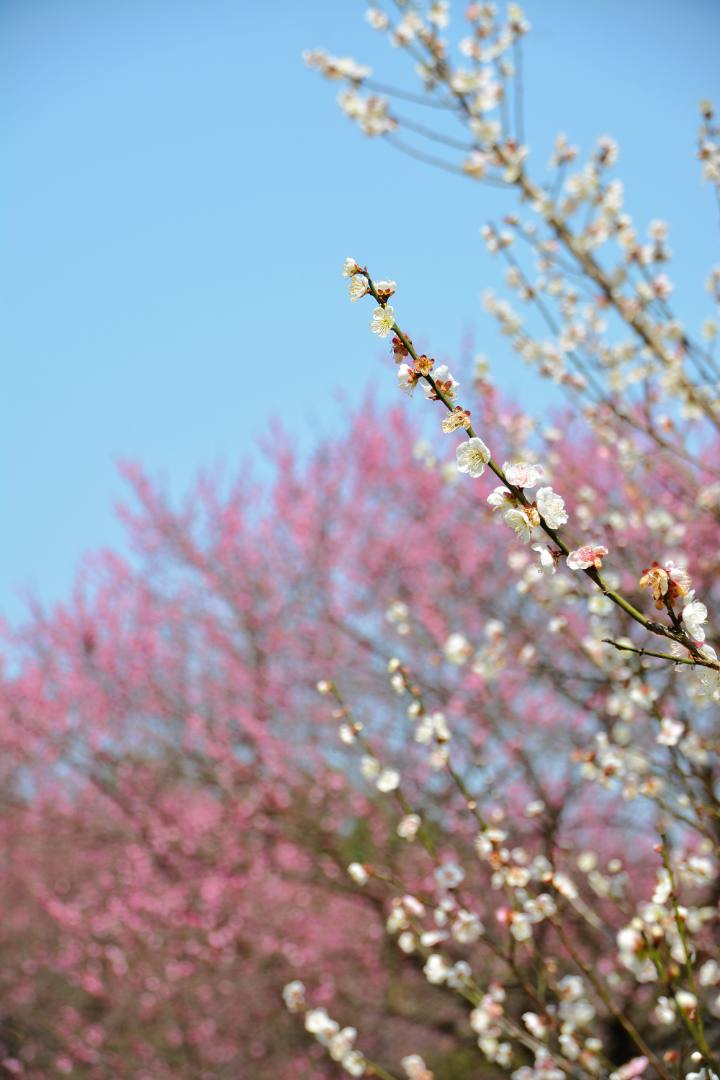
[
  {"x": 671, "y": 731},
  {"x": 631, "y": 1069},
  {"x": 523, "y": 474},
  {"x": 585, "y": 557}
]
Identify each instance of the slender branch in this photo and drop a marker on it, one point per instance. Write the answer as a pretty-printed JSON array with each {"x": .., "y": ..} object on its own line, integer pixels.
[{"x": 518, "y": 494}]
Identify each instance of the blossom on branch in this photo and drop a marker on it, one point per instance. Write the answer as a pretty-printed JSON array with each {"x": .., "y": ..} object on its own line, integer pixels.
[
  {"x": 523, "y": 474},
  {"x": 552, "y": 507},
  {"x": 585, "y": 557},
  {"x": 472, "y": 456},
  {"x": 383, "y": 320}
]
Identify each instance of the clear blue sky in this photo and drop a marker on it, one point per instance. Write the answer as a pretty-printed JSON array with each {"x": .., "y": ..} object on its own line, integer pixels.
[{"x": 177, "y": 194}]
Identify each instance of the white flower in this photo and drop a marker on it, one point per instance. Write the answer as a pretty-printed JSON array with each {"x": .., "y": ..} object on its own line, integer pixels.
[
  {"x": 552, "y": 507},
  {"x": 358, "y": 873},
  {"x": 523, "y": 474},
  {"x": 415, "y": 1068},
  {"x": 520, "y": 926},
  {"x": 441, "y": 375},
  {"x": 671, "y": 732},
  {"x": 354, "y": 1063},
  {"x": 357, "y": 287},
  {"x": 407, "y": 378},
  {"x": 318, "y": 1023},
  {"x": 472, "y": 457},
  {"x": 449, "y": 876},
  {"x": 294, "y": 996},
  {"x": 685, "y": 1000},
  {"x": 383, "y": 320},
  {"x": 340, "y": 1045},
  {"x": 432, "y": 727},
  {"x": 370, "y": 767},
  {"x": 376, "y": 18},
  {"x": 408, "y": 826},
  {"x": 535, "y": 1024},
  {"x": 459, "y": 975},
  {"x": 350, "y": 268},
  {"x": 467, "y": 928},
  {"x": 457, "y": 649},
  {"x": 547, "y": 561},
  {"x": 436, "y": 969},
  {"x": 388, "y": 780},
  {"x": 519, "y": 521},
  {"x": 498, "y": 497},
  {"x": 709, "y": 973},
  {"x": 664, "y": 1011},
  {"x": 565, "y": 886},
  {"x": 693, "y": 616}
]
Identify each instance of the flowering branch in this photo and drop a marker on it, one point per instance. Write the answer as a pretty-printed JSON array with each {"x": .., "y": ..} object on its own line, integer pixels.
[{"x": 474, "y": 455}]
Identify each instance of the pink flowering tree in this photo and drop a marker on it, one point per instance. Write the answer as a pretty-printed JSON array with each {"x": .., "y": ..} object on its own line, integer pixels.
[{"x": 488, "y": 845}]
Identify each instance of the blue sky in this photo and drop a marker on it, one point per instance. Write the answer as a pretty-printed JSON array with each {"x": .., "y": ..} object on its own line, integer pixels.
[{"x": 176, "y": 198}]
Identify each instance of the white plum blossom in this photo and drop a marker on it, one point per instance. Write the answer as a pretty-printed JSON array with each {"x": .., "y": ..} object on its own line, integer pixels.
[
  {"x": 500, "y": 497},
  {"x": 457, "y": 649},
  {"x": 415, "y": 1068},
  {"x": 383, "y": 320},
  {"x": 370, "y": 767},
  {"x": 350, "y": 268},
  {"x": 472, "y": 456},
  {"x": 693, "y": 616},
  {"x": 671, "y": 731},
  {"x": 436, "y": 969},
  {"x": 449, "y": 876},
  {"x": 467, "y": 927},
  {"x": 388, "y": 780},
  {"x": 709, "y": 973},
  {"x": 432, "y": 727},
  {"x": 318, "y": 1023},
  {"x": 535, "y": 1024},
  {"x": 520, "y": 926},
  {"x": 294, "y": 996},
  {"x": 377, "y": 19},
  {"x": 354, "y": 1063},
  {"x": 407, "y": 378},
  {"x": 358, "y": 873},
  {"x": 552, "y": 507},
  {"x": 408, "y": 826},
  {"x": 520, "y": 522},
  {"x": 546, "y": 559},
  {"x": 441, "y": 375},
  {"x": 357, "y": 287},
  {"x": 523, "y": 474}
]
